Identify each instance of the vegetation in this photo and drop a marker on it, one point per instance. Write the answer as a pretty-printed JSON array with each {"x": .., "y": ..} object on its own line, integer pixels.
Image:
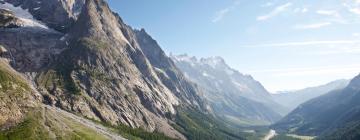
[
  {"x": 139, "y": 134},
  {"x": 284, "y": 137},
  {"x": 10, "y": 81},
  {"x": 41, "y": 125},
  {"x": 198, "y": 126},
  {"x": 30, "y": 128},
  {"x": 350, "y": 132},
  {"x": 60, "y": 79},
  {"x": 134, "y": 134},
  {"x": 93, "y": 44}
]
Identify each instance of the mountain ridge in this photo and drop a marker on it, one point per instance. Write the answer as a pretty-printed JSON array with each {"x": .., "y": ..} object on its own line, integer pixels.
[
  {"x": 291, "y": 99},
  {"x": 329, "y": 116},
  {"x": 231, "y": 93}
]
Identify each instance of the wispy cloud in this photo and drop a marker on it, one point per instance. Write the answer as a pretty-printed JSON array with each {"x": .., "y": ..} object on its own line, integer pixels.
[
  {"x": 337, "y": 50},
  {"x": 301, "y": 10},
  {"x": 310, "y": 71},
  {"x": 356, "y": 34},
  {"x": 219, "y": 15},
  {"x": 353, "y": 8},
  {"x": 332, "y": 13},
  {"x": 307, "y": 43},
  {"x": 268, "y": 4},
  {"x": 275, "y": 12},
  {"x": 313, "y": 26}
]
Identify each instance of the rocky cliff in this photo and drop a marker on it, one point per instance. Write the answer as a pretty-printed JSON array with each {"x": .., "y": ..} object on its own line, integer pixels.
[{"x": 84, "y": 59}]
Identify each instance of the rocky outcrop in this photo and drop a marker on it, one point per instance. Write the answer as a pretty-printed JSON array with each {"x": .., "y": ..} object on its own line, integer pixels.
[
  {"x": 168, "y": 72},
  {"x": 8, "y": 20},
  {"x": 16, "y": 96}
]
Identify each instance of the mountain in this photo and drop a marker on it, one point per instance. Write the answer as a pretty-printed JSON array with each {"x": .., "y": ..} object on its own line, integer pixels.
[
  {"x": 291, "y": 99},
  {"x": 23, "y": 116},
  {"x": 334, "y": 115},
  {"x": 233, "y": 96},
  {"x": 81, "y": 58}
]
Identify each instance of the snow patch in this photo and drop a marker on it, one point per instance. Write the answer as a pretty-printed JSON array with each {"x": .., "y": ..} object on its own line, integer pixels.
[
  {"x": 213, "y": 62},
  {"x": 229, "y": 71},
  {"x": 162, "y": 71},
  {"x": 185, "y": 58},
  {"x": 242, "y": 87},
  {"x": 24, "y": 15},
  {"x": 205, "y": 74}
]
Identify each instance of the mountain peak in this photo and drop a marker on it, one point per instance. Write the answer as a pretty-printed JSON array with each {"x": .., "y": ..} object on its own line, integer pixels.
[
  {"x": 215, "y": 61},
  {"x": 355, "y": 83}
]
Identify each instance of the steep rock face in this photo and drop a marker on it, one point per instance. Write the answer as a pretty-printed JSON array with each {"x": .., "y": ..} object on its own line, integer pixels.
[
  {"x": 292, "y": 99},
  {"x": 233, "y": 96},
  {"x": 96, "y": 66},
  {"x": 332, "y": 112},
  {"x": 110, "y": 78},
  {"x": 30, "y": 49},
  {"x": 169, "y": 74}
]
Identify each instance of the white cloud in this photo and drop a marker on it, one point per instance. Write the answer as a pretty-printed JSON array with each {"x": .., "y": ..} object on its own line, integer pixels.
[
  {"x": 313, "y": 71},
  {"x": 353, "y": 8},
  {"x": 304, "y": 10},
  {"x": 332, "y": 13},
  {"x": 356, "y": 34},
  {"x": 308, "y": 43},
  {"x": 275, "y": 12},
  {"x": 313, "y": 26},
  {"x": 301, "y": 10},
  {"x": 219, "y": 15},
  {"x": 338, "y": 50},
  {"x": 321, "y": 71}
]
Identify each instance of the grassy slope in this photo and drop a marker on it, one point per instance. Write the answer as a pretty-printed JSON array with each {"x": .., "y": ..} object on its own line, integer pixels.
[
  {"x": 46, "y": 124},
  {"x": 198, "y": 126},
  {"x": 35, "y": 123},
  {"x": 134, "y": 134}
]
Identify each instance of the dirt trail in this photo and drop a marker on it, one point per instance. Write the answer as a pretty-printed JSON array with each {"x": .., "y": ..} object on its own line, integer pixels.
[
  {"x": 97, "y": 127},
  {"x": 270, "y": 135}
]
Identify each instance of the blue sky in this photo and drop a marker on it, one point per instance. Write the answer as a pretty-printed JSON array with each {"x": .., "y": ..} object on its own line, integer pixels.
[{"x": 285, "y": 44}]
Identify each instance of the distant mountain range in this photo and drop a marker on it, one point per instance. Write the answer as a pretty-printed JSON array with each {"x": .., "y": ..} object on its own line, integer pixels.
[
  {"x": 291, "y": 99},
  {"x": 335, "y": 115},
  {"x": 233, "y": 96}
]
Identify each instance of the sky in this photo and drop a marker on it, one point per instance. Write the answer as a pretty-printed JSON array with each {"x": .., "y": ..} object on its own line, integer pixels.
[{"x": 284, "y": 44}]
